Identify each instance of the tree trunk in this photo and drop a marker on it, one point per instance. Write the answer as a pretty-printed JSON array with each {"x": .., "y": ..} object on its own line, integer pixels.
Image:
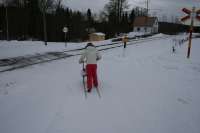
[
  {"x": 44, "y": 27},
  {"x": 7, "y": 26}
]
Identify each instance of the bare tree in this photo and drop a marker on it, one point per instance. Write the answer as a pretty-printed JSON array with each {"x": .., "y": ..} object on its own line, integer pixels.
[
  {"x": 116, "y": 7},
  {"x": 5, "y": 3},
  {"x": 18, "y": 2},
  {"x": 58, "y": 4}
]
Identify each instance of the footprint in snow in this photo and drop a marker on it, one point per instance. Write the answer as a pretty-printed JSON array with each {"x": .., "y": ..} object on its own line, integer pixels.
[{"x": 183, "y": 101}]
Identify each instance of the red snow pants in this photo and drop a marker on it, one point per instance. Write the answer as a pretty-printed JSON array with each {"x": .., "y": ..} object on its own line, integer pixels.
[{"x": 91, "y": 70}]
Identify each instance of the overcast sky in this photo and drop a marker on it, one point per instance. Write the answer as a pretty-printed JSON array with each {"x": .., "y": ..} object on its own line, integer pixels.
[{"x": 167, "y": 6}]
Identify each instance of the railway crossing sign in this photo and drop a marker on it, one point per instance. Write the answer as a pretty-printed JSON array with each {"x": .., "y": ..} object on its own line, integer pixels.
[
  {"x": 188, "y": 12},
  {"x": 192, "y": 15},
  {"x": 198, "y": 15}
]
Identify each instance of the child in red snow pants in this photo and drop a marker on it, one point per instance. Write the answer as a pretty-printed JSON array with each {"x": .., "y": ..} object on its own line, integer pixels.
[{"x": 91, "y": 70}]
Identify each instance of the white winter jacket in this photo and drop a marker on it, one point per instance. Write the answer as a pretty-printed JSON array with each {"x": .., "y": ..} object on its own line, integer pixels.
[{"x": 91, "y": 55}]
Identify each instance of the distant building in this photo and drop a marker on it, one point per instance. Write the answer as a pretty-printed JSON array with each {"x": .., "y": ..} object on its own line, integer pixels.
[
  {"x": 97, "y": 36},
  {"x": 146, "y": 24}
]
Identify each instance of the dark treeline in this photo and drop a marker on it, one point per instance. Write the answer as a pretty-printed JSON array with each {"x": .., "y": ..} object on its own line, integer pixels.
[
  {"x": 172, "y": 28},
  {"x": 25, "y": 22}
]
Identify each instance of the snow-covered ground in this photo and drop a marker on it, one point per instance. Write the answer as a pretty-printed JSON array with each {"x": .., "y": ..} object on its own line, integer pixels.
[
  {"x": 9, "y": 49},
  {"x": 145, "y": 89}
]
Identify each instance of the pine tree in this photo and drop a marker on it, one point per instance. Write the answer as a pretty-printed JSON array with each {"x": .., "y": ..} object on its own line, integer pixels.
[
  {"x": 89, "y": 18},
  {"x": 34, "y": 13},
  {"x": 132, "y": 16}
]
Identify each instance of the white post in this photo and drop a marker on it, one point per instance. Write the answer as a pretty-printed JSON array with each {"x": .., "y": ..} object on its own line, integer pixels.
[
  {"x": 65, "y": 39},
  {"x": 65, "y": 30}
]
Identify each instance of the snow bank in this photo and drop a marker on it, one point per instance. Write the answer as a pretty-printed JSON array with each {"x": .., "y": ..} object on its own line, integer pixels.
[{"x": 134, "y": 34}]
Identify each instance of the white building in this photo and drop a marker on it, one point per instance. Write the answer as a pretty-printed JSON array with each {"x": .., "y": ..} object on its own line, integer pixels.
[{"x": 146, "y": 24}]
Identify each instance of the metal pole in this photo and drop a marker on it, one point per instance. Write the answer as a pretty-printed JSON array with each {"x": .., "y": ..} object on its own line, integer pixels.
[
  {"x": 7, "y": 31},
  {"x": 191, "y": 30},
  {"x": 65, "y": 39},
  {"x": 189, "y": 45},
  {"x": 83, "y": 71},
  {"x": 147, "y": 7}
]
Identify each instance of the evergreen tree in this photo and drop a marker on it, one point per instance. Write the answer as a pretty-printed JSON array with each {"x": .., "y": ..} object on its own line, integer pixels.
[
  {"x": 132, "y": 16},
  {"x": 89, "y": 18},
  {"x": 34, "y": 14}
]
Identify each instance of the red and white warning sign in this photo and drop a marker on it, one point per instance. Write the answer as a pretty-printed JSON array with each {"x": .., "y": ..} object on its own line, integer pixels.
[{"x": 192, "y": 15}]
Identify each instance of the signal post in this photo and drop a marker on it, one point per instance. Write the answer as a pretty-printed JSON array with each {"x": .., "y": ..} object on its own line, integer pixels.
[{"x": 191, "y": 15}]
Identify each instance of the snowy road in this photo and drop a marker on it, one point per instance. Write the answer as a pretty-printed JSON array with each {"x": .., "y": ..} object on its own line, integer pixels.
[{"x": 145, "y": 89}]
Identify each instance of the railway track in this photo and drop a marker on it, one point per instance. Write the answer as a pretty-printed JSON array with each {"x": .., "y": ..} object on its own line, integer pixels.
[{"x": 24, "y": 61}]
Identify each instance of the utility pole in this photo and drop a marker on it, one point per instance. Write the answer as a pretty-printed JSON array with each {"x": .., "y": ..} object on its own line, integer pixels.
[
  {"x": 147, "y": 7},
  {"x": 191, "y": 30}
]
